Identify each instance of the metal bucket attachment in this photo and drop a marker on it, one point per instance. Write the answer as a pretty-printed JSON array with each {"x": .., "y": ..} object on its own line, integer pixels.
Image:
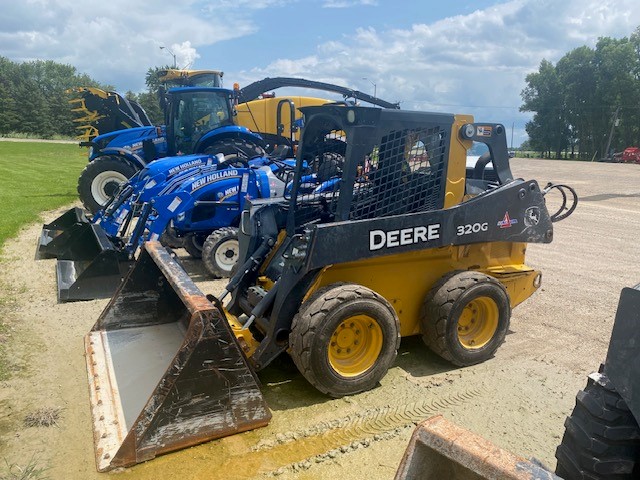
[
  {"x": 96, "y": 268},
  {"x": 165, "y": 370},
  {"x": 439, "y": 449},
  {"x": 87, "y": 280},
  {"x": 66, "y": 237}
]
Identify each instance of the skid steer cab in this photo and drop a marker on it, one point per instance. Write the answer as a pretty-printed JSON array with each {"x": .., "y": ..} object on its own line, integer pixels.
[{"x": 405, "y": 242}]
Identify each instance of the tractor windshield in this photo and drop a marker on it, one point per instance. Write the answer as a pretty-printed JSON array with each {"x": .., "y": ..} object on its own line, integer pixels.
[{"x": 196, "y": 113}]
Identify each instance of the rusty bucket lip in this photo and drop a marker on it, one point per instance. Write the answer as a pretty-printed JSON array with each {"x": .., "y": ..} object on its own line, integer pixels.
[
  {"x": 108, "y": 434},
  {"x": 468, "y": 450},
  {"x": 124, "y": 434},
  {"x": 188, "y": 291}
]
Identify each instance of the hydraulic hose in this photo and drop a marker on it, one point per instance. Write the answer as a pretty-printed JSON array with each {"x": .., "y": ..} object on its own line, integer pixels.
[{"x": 565, "y": 190}]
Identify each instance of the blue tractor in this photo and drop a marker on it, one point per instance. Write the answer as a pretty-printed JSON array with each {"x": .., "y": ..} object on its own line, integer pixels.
[
  {"x": 198, "y": 120},
  {"x": 196, "y": 197}
]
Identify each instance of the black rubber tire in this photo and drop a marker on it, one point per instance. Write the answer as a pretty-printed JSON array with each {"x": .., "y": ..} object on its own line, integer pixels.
[
  {"x": 444, "y": 306},
  {"x": 223, "y": 237},
  {"x": 316, "y": 321},
  {"x": 601, "y": 438},
  {"x": 236, "y": 151},
  {"x": 100, "y": 167},
  {"x": 170, "y": 239},
  {"x": 193, "y": 243}
]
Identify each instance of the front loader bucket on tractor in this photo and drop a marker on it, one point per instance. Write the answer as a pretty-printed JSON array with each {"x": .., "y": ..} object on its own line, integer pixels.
[
  {"x": 165, "y": 370},
  {"x": 89, "y": 264},
  {"x": 65, "y": 237}
]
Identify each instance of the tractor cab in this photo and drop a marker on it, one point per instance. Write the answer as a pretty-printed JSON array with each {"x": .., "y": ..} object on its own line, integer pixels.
[{"x": 191, "y": 113}]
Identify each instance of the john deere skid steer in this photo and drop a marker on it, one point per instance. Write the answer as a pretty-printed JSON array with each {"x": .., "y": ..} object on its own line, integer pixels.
[{"x": 405, "y": 244}]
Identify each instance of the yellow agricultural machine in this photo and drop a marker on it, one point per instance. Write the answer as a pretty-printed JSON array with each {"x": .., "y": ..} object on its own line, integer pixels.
[{"x": 408, "y": 241}]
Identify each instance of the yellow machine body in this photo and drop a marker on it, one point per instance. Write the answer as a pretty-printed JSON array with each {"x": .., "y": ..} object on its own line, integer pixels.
[
  {"x": 404, "y": 280},
  {"x": 261, "y": 115}
]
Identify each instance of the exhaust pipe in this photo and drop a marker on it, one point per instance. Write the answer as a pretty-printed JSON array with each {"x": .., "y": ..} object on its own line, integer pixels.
[{"x": 165, "y": 369}]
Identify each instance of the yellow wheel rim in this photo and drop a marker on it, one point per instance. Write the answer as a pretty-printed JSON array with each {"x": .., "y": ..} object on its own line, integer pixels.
[
  {"x": 478, "y": 323},
  {"x": 355, "y": 345}
]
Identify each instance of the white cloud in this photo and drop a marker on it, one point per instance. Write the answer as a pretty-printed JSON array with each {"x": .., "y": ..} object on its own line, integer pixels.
[
  {"x": 454, "y": 64},
  {"x": 474, "y": 63},
  {"x": 117, "y": 41}
]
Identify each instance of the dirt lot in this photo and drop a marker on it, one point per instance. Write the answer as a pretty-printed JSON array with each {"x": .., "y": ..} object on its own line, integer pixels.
[{"x": 518, "y": 399}]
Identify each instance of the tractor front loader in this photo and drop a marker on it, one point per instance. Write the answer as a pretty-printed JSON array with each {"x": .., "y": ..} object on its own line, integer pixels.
[
  {"x": 93, "y": 257},
  {"x": 405, "y": 243}
]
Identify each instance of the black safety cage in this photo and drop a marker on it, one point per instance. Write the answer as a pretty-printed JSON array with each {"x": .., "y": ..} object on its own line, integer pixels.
[{"x": 360, "y": 166}]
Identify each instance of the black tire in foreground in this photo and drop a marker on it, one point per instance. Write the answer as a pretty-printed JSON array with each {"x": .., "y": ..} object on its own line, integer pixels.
[
  {"x": 465, "y": 317},
  {"x": 601, "y": 438},
  {"x": 220, "y": 252},
  {"x": 100, "y": 180},
  {"x": 344, "y": 338}
]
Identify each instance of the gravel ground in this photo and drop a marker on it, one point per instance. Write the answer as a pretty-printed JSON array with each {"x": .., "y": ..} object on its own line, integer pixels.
[{"x": 518, "y": 399}]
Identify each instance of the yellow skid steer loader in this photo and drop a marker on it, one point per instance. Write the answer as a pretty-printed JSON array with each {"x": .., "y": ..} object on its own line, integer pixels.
[{"x": 385, "y": 233}]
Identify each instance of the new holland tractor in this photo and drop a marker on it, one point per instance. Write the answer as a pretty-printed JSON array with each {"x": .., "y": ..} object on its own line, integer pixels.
[
  {"x": 200, "y": 117},
  {"x": 192, "y": 196},
  {"x": 198, "y": 198},
  {"x": 198, "y": 120},
  {"x": 405, "y": 243}
]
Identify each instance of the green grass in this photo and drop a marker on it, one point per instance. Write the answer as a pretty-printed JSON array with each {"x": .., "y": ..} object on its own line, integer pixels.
[
  {"x": 35, "y": 176},
  {"x": 30, "y": 471}
]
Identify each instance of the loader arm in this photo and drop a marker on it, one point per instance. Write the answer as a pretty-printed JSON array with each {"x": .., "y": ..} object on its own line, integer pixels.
[{"x": 255, "y": 89}]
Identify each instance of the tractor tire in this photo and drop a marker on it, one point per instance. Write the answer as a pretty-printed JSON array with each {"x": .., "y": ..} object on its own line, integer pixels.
[
  {"x": 170, "y": 239},
  {"x": 465, "y": 317},
  {"x": 220, "y": 252},
  {"x": 601, "y": 438},
  {"x": 233, "y": 148},
  {"x": 193, "y": 243},
  {"x": 344, "y": 339},
  {"x": 100, "y": 179}
]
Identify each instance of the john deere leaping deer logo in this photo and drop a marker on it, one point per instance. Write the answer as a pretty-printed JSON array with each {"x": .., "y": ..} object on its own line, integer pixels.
[{"x": 532, "y": 216}]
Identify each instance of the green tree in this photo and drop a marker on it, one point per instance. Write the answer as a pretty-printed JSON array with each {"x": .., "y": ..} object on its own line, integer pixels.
[
  {"x": 34, "y": 98},
  {"x": 575, "y": 100},
  {"x": 576, "y": 72},
  {"x": 9, "y": 119},
  {"x": 548, "y": 131}
]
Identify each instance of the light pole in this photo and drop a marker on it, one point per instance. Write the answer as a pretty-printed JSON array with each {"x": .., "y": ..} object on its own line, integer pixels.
[
  {"x": 374, "y": 86},
  {"x": 172, "y": 54},
  {"x": 513, "y": 124}
]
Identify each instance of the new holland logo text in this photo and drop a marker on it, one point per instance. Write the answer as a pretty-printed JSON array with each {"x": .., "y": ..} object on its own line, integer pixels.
[
  {"x": 212, "y": 177},
  {"x": 184, "y": 166},
  {"x": 407, "y": 236},
  {"x": 507, "y": 221}
]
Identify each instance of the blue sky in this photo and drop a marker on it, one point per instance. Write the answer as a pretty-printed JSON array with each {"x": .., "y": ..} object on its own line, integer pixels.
[{"x": 448, "y": 56}]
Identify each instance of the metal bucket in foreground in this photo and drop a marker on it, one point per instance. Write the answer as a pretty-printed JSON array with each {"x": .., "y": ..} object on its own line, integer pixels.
[
  {"x": 165, "y": 370},
  {"x": 439, "y": 449}
]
